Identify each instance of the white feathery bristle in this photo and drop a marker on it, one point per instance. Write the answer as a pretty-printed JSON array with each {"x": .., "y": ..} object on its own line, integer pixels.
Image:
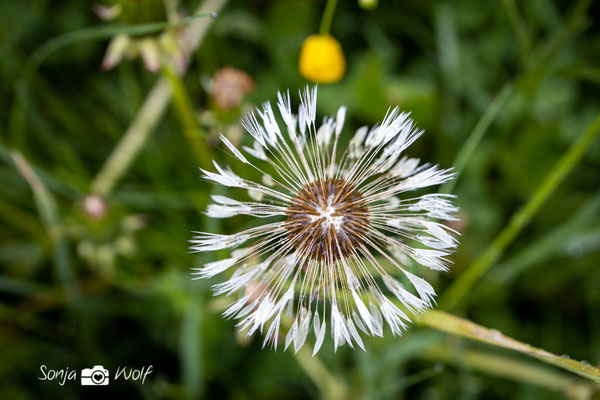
[
  {"x": 341, "y": 212},
  {"x": 233, "y": 149}
]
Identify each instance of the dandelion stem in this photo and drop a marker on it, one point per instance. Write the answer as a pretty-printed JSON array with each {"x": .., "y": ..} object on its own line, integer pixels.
[
  {"x": 327, "y": 17},
  {"x": 458, "y": 290},
  {"x": 331, "y": 388},
  {"x": 149, "y": 115},
  {"x": 477, "y": 133},
  {"x": 187, "y": 118},
  {"x": 461, "y": 327}
]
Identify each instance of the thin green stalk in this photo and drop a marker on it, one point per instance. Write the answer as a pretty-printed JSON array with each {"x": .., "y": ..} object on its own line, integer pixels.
[
  {"x": 553, "y": 241},
  {"x": 22, "y": 221},
  {"x": 19, "y": 111},
  {"x": 186, "y": 114},
  {"x": 46, "y": 205},
  {"x": 395, "y": 387},
  {"x": 460, "y": 287},
  {"x": 552, "y": 48},
  {"x": 327, "y": 17},
  {"x": 105, "y": 32},
  {"x": 513, "y": 369},
  {"x": 331, "y": 388},
  {"x": 149, "y": 115},
  {"x": 461, "y": 327},
  {"x": 575, "y": 23},
  {"x": 519, "y": 28},
  {"x": 191, "y": 344},
  {"x": 477, "y": 133},
  {"x": 133, "y": 140},
  {"x": 52, "y": 182}
]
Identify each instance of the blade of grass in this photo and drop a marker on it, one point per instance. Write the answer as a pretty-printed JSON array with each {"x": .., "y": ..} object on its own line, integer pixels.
[
  {"x": 54, "y": 183},
  {"x": 395, "y": 388},
  {"x": 149, "y": 115},
  {"x": 519, "y": 28},
  {"x": 550, "y": 50},
  {"x": 46, "y": 205},
  {"x": 106, "y": 32},
  {"x": 575, "y": 23},
  {"x": 461, "y": 327},
  {"x": 477, "y": 133},
  {"x": 191, "y": 336},
  {"x": 551, "y": 243},
  {"x": 513, "y": 369},
  {"x": 18, "y": 113},
  {"x": 460, "y": 287},
  {"x": 191, "y": 349},
  {"x": 22, "y": 221}
]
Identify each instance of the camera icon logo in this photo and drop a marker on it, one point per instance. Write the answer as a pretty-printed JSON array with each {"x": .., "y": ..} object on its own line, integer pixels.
[{"x": 96, "y": 376}]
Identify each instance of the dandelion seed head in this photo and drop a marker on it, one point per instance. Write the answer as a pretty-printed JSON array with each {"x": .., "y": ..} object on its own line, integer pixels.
[
  {"x": 342, "y": 241},
  {"x": 326, "y": 220}
]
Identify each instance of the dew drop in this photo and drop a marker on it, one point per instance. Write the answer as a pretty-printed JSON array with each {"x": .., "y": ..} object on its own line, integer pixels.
[
  {"x": 565, "y": 356},
  {"x": 213, "y": 14},
  {"x": 586, "y": 363},
  {"x": 496, "y": 334}
]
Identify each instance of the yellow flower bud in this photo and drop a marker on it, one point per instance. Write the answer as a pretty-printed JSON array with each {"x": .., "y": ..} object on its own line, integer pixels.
[{"x": 322, "y": 59}]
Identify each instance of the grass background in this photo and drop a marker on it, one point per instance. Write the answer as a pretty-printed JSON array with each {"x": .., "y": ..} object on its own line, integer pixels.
[{"x": 75, "y": 292}]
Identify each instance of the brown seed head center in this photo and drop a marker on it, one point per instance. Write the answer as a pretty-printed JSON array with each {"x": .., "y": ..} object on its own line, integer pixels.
[{"x": 327, "y": 220}]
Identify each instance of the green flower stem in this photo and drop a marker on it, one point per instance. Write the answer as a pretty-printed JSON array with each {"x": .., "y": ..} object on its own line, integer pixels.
[
  {"x": 187, "y": 117},
  {"x": 461, "y": 327},
  {"x": 331, "y": 388},
  {"x": 46, "y": 205},
  {"x": 327, "y": 17},
  {"x": 459, "y": 289},
  {"x": 477, "y": 134},
  {"x": 513, "y": 369},
  {"x": 149, "y": 115}
]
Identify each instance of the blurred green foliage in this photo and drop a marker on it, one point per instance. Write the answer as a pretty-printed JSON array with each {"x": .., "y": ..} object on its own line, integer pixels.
[{"x": 116, "y": 290}]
